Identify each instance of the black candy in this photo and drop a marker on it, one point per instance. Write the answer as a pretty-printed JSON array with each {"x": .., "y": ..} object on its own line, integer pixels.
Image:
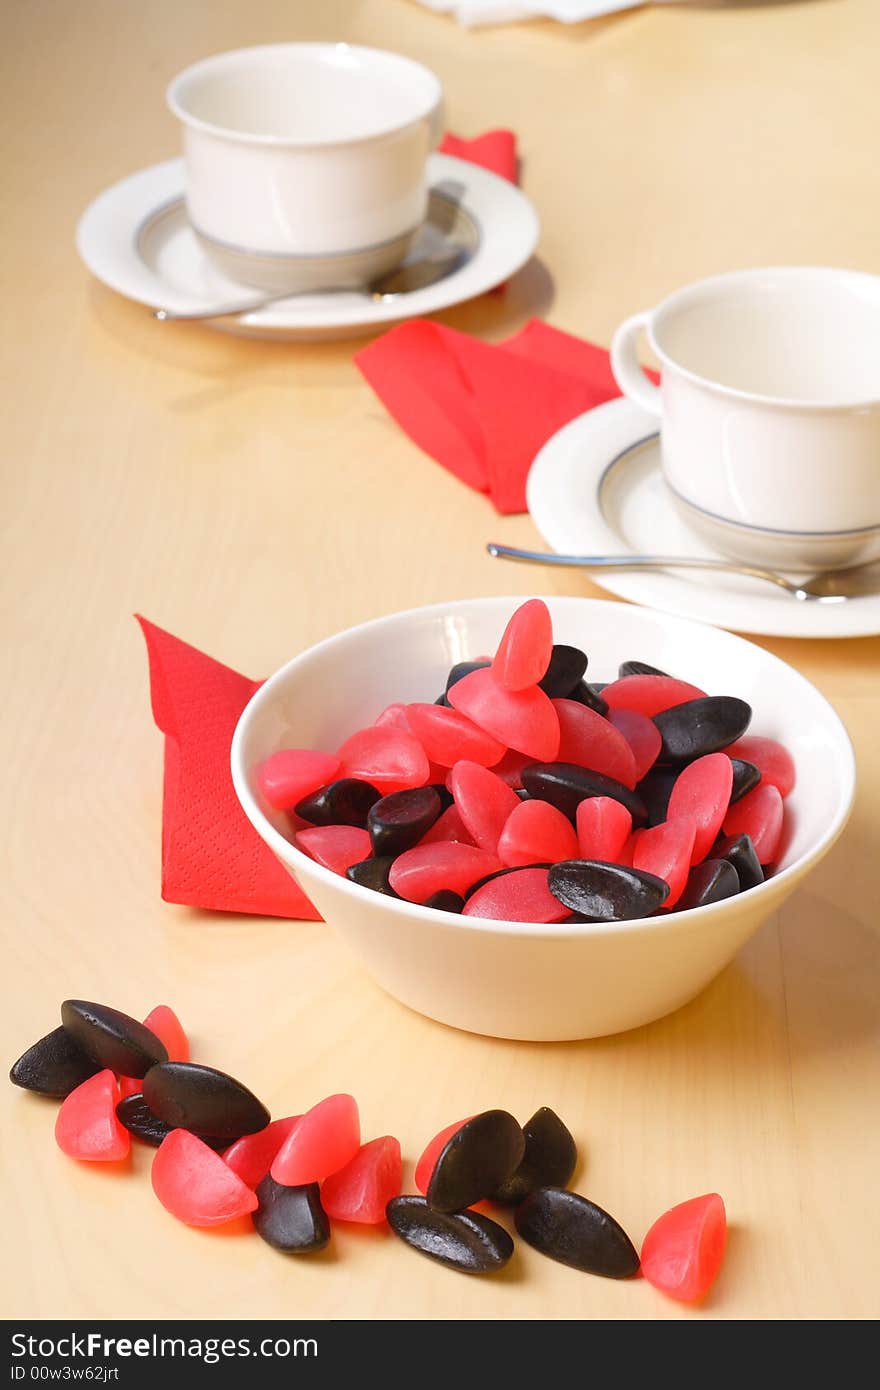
[
  {"x": 445, "y": 901},
  {"x": 565, "y": 671},
  {"x": 291, "y": 1218},
  {"x": 745, "y": 777},
  {"x": 639, "y": 668},
  {"x": 398, "y": 821},
  {"x": 739, "y": 851},
  {"x": 476, "y": 1160},
  {"x": 467, "y": 1240},
  {"x": 606, "y": 892},
  {"x": 655, "y": 790},
  {"x": 589, "y": 695},
  {"x": 187, "y": 1095},
  {"x": 549, "y": 1159},
  {"x": 709, "y": 882},
  {"x": 702, "y": 726},
  {"x": 373, "y": 873},
  {"x": 111, "y": 1038},
  {"x": 139, "y": 1120},
  {"x": 573, "y": 1230},
  {"x": 344, "y": 802},
  {"x": 565, "y": 785},
  {"x": 54, "y": 1066},
  {"x": 457, "y": 673}
]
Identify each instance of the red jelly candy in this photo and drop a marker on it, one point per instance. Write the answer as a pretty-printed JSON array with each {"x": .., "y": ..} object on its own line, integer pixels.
[
  {"x": 86, "y": 1126},
  {"x": 682, "y": 1252},
  {"x": 392, "y": 717},
  {"x": 603, "y": 828},
  {"x": 425, "y": 1165},
  {"x": 758, "y": 814},
  {"x": 510, "y": 768},
  {"x": 448, "y": 826},
  {"x": 289, "y": 775},
  {"x": 419, "y": 873},
  {"x": 773, "y": 761},
  {"x": 519, "y": 896},
  {"x": 649, "y": 695},
  {"x": 130, "y": 1086},
  {"x": 363, "y": 1188},
  {"x": 327, "y": 1137},
  {"x": 702, "y": 792},
  {"x": 666, "y": 850},
  {"x": 389, "y": 759},
  {"x": 520, "y": 719},
  {"x": 536, "y": 833},
  {"x": 526, "y": 647},
  {"x": 590, "y": 741},
  {"x": 252, "y": 1155},
  {"x": 195, "y": 1185},
  {"x": 485, "y": 802},
  {"x": 335, "y": 846},
  {"x": 448, "y": 736},
  {"x": 168, "y": 1028},
  {"x": 642, "y": 735}
]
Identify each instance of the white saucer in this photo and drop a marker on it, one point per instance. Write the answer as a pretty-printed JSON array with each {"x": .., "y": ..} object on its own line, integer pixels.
[
  {"x": 135, "y": 237},
  {"x": 596, "y": 488}
]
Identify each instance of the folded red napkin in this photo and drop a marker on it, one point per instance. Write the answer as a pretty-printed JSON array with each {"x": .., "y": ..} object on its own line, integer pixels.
[
  {"x": 494, "y": 150},
  {"x": 211, "y": 855},
  {"x": 483, "y": 410}
]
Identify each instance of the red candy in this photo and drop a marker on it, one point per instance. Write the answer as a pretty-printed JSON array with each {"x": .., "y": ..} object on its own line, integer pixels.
[
  {"x": 649, "y": 695},
  {"x": 289, "y": 775},
  {"x": 603, "y": 829},
  {"x": 252, "y": 1155},
  {"x": 164, "y": 1022},
  {"x": 393, "y": 717},
  {"x": 327, "y": 1138},
  {"x": 363, "y": 1188},
  {"x": 335, "y": 846},
  {"x": 667, "y": 850},
  {"x": 86, "y": 1126},
  {"x": 775, "y": 763},
  {"x": 682, "y": 1252},
  {"x": 642, "y": 735},
  {"x": 520, "y": 896},
  {"x": 702, "y": 792},
  {"x": 195, "y": 1185},
  {"x": 484, "y": 801},
  {"x": 389, "y": 758},
  {"x": 520, "y": 719},
  {"x": 419, "y": 873},
  {"x": 758, "y": 814},
  {"x": 525, "y": 648},
  {"x": 448, "y": 826},
  {"x": 589, "y": 740},
  {"x": 536, "y": 833},
  {"x": 448, "y": 736},
  {"x": 425, "y": 1165}
]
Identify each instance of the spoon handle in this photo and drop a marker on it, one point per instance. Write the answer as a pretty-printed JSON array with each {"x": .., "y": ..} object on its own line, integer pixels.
[
  {"x": 641, "y": 562},
  {"x": 220, "y": 311}
]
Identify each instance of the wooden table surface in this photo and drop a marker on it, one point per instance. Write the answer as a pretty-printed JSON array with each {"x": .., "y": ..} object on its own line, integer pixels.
[{"x": 254, "y": 498}]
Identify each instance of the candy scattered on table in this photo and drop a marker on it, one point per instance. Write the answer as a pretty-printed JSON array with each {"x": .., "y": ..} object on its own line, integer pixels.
[
  {"x": 296, "y": 1175},
  {"x": 522, "y": 764},
  {"x": 112, "y": 1039}
]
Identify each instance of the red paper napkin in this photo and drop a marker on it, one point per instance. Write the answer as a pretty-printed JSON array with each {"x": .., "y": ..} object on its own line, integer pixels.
[
  {"x": 483, "y": 410},
  {"x": 211, "y": 855},
  {"x": 494, "y": 150}
]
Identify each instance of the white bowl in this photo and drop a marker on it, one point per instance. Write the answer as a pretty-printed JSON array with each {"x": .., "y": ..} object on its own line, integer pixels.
[{"x": 518, "y": 980}]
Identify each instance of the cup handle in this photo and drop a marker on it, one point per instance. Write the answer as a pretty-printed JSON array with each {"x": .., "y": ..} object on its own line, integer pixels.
[{"x": 625, "y": 365}]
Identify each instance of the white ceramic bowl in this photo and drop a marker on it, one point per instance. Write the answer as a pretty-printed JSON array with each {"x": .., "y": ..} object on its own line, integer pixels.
[{"x": 517, "y": 980}]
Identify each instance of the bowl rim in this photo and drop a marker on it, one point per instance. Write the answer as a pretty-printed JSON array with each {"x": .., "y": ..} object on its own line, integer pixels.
[{"x": 285, "y": 849}]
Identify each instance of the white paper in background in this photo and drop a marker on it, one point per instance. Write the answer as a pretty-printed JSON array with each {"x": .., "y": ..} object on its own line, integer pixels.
[{"x": 473, "y": 12}]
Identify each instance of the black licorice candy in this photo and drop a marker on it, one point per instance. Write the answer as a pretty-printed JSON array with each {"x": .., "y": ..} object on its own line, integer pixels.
[
  {"x": 477, "y": 1159},
  {"x": 347, "y": 801},
  {"x": 111, "y": 1038},
  {"x": 696, "y": 727},
  {"x": 465, "y": 1240},
  {"x": 53, "y": 1066},
  {"x": 398, "y": 821},
  {"x": 566, "y": 785},
  {"x": 571, "y": 1229},
  {"x": 291, "y": 1219},
  {"x": 187, "y": 1095},
  {"x": 548, "y": 1161},
  {"x": 603, "y": 892}
]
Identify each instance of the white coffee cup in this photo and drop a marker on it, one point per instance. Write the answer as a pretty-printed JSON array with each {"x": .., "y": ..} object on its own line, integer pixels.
[
  {"x": 769, "y": 410},
  {"x": 306, "y": 162}
]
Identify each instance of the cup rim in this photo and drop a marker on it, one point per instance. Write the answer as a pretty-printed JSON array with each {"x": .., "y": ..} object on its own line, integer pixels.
[
  {"x": 680, "y": 296},
  {"x": 173, "y": 96}
]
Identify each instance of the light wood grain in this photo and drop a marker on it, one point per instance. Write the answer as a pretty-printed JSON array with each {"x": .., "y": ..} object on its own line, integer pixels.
[{"x": 254, "y": 498}]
